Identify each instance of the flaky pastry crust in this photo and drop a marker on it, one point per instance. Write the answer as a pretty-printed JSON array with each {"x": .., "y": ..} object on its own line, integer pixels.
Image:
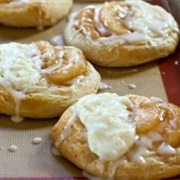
[
  {"x": 122, "y": 34},
  {"x": 29, "y": 13},
  {"x": 38, "y": 80},
  {"x": 156, "y": 122}
]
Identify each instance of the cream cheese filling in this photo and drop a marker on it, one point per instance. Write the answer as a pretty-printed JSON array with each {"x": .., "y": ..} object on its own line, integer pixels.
[{"x": 106, "y": 118}]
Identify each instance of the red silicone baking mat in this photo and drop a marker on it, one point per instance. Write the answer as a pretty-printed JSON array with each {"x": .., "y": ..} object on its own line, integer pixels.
[{"x": 170, "y": 66}]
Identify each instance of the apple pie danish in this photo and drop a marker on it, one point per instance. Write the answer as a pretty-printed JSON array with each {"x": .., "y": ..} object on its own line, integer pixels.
[
  {"x": 122, "y": 33},
  {"x": 38, "y": 80},
  {"x": 121, "y": 137},
  {"x": 29, "y": 13}
]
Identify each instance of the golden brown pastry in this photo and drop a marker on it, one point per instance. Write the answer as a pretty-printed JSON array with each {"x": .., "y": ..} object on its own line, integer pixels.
[
  {"x": 121, "y": 137},
  {"x": 28, "y": 13},
  {"x": 122, "y": 33},
  {"x": 39, "y": 80}
]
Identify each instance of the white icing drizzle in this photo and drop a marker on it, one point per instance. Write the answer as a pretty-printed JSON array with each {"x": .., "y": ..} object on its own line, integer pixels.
[
  {"x": 18, "y": 96},
  {"x": 137, "y": 155},
  {"x": 156, "y": 24},
  {"x": 76, "y": 80},
  {"x": 147, "y": 23},
  {"x": 134, "y": 37},
  {"x": 66, "y": 130},
  {"x": 55, "y": 152},
  {"x": 17, "y": 118},
  {"x": 166, "y": 149},
  {"x": 160, "y": 103},
  {"x": 54, "y": 66},
  {"x": 143, "y": 146},
  {"x": 101, "y": 28}
]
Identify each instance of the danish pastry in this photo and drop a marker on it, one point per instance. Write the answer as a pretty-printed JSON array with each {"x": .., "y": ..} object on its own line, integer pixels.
[
  {"x": 121, "y": 137},
  {"x": 29, "y": 13},
  {"x": 38, "y": 80},
  {"x": 122, "y": 33}
]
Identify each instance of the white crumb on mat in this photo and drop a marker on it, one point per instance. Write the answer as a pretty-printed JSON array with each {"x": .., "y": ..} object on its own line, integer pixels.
[
  {"x": 13, "y": 148},
  {"x": 37, "y": 140},
  {"x": 176, "y": 62},
  {"x": 104, "y": 86},
  {"x": 131, "y": 86}
]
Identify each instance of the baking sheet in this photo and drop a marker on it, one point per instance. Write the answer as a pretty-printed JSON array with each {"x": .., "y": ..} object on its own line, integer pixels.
[{"x": 36, "y": 161}]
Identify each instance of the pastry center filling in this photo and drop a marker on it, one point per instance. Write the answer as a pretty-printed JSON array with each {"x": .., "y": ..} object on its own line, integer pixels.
[
  {"x": 131, "y": 21},
  {"x": 17, "y": 67},
  {"x": 106, "y": 118},
  {"x": 33, "y": 68}
]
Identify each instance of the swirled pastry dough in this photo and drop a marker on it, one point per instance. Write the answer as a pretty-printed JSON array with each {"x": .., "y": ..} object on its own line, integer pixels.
[
  {"x": 121, "y": 137},
  {"x": 28, "y": 13},
  {"x": 123, "y": 33},
  {"x": 39, "y": 80}
]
